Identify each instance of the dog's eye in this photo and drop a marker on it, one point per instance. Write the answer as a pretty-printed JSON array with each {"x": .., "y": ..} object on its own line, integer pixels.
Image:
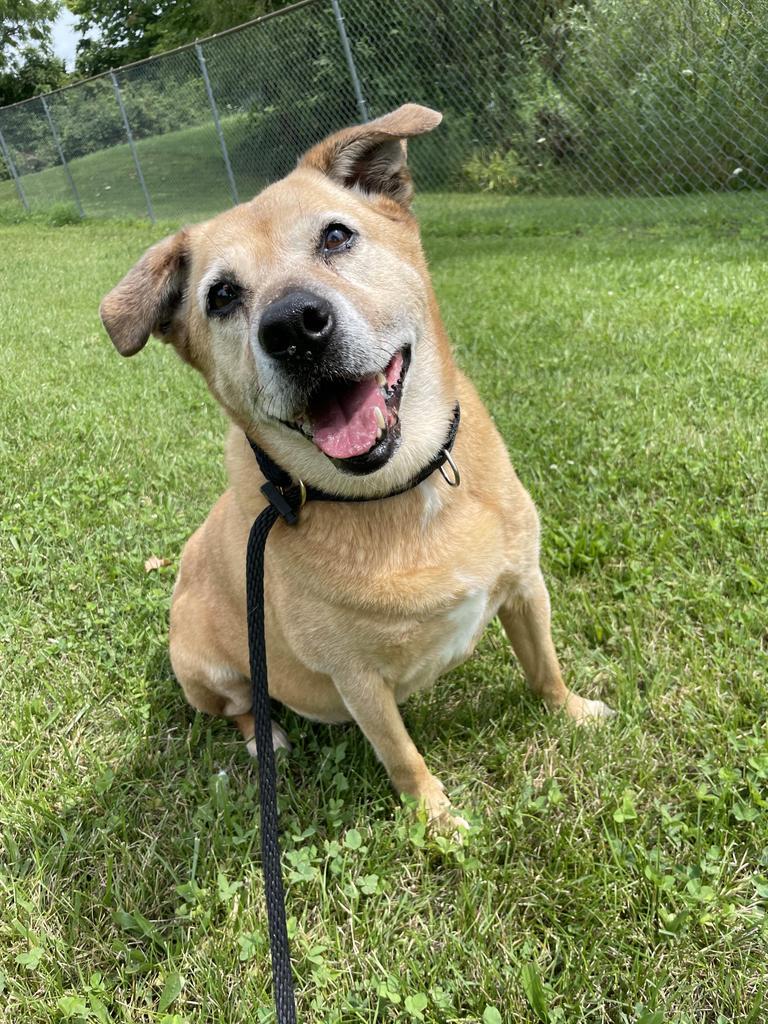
[
  {"x": 222, "y": 298},
  {"x": 336, "y": 237}
]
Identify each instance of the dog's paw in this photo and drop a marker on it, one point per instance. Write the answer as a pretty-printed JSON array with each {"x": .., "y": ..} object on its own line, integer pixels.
[
  {"x": 448, "y": 824},
  {"x": 436, "y": 808},
  {"x": 280, "y": 741},
  {"x": 589, "y": 712}
]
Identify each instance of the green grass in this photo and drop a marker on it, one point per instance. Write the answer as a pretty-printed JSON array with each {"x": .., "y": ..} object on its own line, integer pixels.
[{"x": 611, "y": 877}]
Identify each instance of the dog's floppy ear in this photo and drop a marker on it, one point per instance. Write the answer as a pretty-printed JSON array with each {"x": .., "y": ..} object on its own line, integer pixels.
[
  {"x": 372, "y": 156},
  {"x": 145, "y": 300}
]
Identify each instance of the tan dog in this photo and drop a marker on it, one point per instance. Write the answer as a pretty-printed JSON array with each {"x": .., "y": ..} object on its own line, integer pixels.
[{"x": 310, "y": 314}]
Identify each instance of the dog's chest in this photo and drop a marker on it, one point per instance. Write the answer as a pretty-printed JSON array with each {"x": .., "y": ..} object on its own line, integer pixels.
[
  {"x": 428, "y": 648},
  {"x": 463, "y": 624}
]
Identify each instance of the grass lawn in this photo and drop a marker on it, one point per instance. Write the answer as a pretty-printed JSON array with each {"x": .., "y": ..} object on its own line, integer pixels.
[{"x": 619, "y": 876}]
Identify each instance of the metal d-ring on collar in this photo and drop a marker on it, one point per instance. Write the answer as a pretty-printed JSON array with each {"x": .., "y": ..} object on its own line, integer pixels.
[{"x": 454, "y": 469}]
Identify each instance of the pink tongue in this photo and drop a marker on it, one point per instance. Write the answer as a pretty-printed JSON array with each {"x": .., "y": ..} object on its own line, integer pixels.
[{"x": 347, "y": 425}]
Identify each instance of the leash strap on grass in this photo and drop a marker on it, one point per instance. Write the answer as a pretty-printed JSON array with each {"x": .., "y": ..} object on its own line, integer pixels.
[{"x": 285, "y": 499}]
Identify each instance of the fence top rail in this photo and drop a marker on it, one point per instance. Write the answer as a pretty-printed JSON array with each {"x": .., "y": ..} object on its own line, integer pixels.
[{"x": 297, "y": 5}]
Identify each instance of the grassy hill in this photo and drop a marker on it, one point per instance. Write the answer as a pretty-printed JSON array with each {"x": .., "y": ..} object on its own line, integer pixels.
[{"x": 184, "y": 172}]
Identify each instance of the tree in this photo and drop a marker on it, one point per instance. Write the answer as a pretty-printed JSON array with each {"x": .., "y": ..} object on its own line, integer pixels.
[
  {"x": 27, "y": 65},
  {"x": 35, "y": 70},
  {"x": 124, "y": 31},
  {"x": 24, "y": 23},
  {"x": 130, "y": 30}
]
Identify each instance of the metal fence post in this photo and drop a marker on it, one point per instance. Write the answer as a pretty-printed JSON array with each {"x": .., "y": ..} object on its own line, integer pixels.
[
  {"x": 359, "y": 98},
  {"x": 64, "y": 164},
  {"x": 132, "y": 144},
  {"x": 14, "y": 173},
  {"x": 217, "y": 122}
]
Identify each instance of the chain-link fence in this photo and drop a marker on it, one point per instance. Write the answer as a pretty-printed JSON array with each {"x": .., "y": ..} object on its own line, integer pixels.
[{"x": 608, "y": 97}]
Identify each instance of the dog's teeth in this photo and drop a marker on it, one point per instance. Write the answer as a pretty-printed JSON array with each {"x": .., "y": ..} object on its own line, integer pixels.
[
  {"x": 381, "y": 380},
  {"x": 379, "y": 417}
]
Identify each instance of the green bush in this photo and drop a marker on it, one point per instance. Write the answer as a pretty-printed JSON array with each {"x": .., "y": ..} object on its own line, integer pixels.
[{"x": 494, "y": 171}]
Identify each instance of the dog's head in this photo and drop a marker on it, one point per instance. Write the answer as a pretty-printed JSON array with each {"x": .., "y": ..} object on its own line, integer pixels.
[{"x": 310, "y": 314}]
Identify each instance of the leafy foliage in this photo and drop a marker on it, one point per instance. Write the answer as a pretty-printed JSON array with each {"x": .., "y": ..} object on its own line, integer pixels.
[
  {"x": 23, "y": 23},
  {"x": 35, "y": 70},
  {"x": 27, "y": 65},
  {"x": 120, "y": 33},
  {"x": 612, "y": 96}
]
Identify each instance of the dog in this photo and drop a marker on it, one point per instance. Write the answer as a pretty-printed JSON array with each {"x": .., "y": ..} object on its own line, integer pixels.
[{"x": 310, "y": 314}]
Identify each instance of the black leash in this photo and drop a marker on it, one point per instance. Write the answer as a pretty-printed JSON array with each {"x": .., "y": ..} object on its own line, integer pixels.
[{"x": 286, "y": 498}]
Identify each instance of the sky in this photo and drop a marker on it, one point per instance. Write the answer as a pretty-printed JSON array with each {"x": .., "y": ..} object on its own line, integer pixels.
[{"x": 64, "y": 38}]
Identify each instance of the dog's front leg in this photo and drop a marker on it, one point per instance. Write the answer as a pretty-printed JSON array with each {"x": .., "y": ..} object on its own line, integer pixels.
[
  {"x": 526, "y": 620},
  {"x": 371, "y": 702}
]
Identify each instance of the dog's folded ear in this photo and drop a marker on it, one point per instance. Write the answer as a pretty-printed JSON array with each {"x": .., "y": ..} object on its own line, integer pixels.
[
  {"x": 372, "y": 156},
  {"x": 145, "y": 301}
]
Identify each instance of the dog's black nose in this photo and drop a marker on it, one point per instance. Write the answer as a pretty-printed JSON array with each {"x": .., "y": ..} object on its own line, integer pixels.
[{"x": 296, "y": 326}]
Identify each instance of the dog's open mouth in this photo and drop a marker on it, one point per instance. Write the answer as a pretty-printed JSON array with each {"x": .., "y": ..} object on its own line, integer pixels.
[{"x": 356, "y": 422}]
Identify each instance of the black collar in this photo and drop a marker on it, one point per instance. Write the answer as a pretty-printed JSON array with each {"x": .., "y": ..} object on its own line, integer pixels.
[{"x": 288, "y": 496}]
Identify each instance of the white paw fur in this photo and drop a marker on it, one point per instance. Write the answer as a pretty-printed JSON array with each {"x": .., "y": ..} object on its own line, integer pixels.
[
  {"x": 280, "y": 740},
  {"x": 591, "y": 712}
]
